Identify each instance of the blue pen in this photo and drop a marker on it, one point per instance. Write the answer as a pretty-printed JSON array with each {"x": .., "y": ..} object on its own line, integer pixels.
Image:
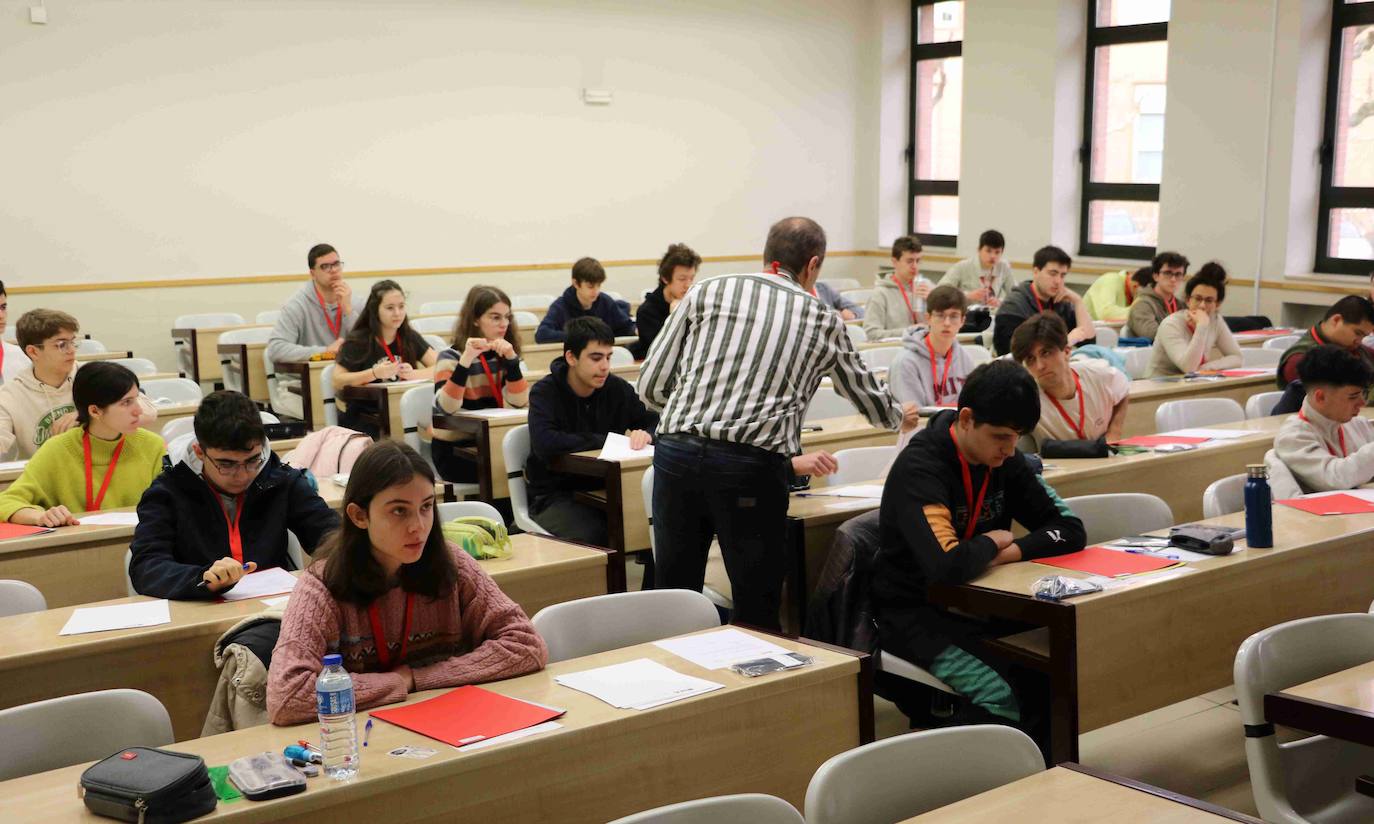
[
  {"x": 205, "y": 583},
  {"x": 367, "y": 731}
]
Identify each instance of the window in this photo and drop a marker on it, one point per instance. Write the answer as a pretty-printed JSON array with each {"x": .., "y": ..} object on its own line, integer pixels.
[
  {"x": 1123, "y": 127},
  {"x": 1345, "y": 217},
  {"x": 937, "y": 92}
]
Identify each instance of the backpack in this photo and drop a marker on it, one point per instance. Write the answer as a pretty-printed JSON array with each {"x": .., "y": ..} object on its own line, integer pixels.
[{"x": 482, "y": 538}]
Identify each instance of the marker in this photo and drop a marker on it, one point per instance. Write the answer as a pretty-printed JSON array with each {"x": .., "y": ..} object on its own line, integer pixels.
[
  {"x": 367, "y": 731},
  {"x": 302, "y": 754}
]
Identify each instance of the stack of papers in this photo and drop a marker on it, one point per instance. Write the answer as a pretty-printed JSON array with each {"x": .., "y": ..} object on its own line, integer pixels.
[
  {"x": 13, "y": 465},
  {"x": 272, "y": 581},
  {"x": 120, "y": 616},
  {"x": 110, "y": 519},
  {"x": 1213, "y": 434},
  {"x": 854, "y": 491},
  {"x": 1156, "y": 441},
  {"x": 498, "y": 412},
  {"x": 617, "y": 448},
  {"x": 718, "y": 650},
  {"x": 636, "y": 685}
]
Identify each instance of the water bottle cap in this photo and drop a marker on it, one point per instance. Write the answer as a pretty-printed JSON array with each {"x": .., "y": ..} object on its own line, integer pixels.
[{"x": 333, "y": 659}]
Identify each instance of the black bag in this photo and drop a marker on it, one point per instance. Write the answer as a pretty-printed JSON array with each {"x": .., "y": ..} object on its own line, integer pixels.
[
  {"x": 976, "y": 320},
  {"x": 1075, "y": 449},
  {"x": 150, "y": 786}
]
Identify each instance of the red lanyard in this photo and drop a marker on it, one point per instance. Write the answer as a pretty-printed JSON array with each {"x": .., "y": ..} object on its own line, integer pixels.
[
  {"x": 93, "y": 503},
  {"x": 1130, "y": 296},
  {"x": 1316, "y": 337},
  {"x": 911, "y": 312},
  {"x": 975, "y": 509},
  {"x": 1171, "y": 304},
  {"x": 400, "y": 351},
  {"x": 235, "y": 539},
  {"x": 491, "y": 379},
  {"x": 939, "y": 383},
  {"x": 337, "y": 323},
  {"x": 1340, "y": 433},
  {"x": 1078, "y": 388},
  {"x": 379, "y": 636},
  {"x": 1039, "y": 307}
]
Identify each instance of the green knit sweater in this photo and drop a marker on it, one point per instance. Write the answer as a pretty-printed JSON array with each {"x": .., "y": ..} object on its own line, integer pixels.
[{"x": 56, "y": 474}]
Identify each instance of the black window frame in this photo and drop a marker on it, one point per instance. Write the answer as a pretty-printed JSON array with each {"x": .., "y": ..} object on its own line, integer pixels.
[
  {"x": 1330, "y": 197},
  {"x": 921, "y": 52},
  {"x": 1100, "y": 36}
]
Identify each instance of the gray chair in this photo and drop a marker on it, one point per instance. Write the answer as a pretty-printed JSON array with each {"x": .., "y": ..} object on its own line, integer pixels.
[
  {"x": 1115, "y": 514},
  {"x": 17, "y": 597},
  {"x": 1197, "y": 412},
  {"x": 1224, "y": 496},
  {"x": 901, "y": 777},
  {"x": 1312, "y": 779},
  {"x": 725, "y": 809},
  {"x": 1261, "y": 404},
  {"x": 516, "y": 449},
  {"x": 59, "y": 732},
  {"x": 604, "y": 622}
]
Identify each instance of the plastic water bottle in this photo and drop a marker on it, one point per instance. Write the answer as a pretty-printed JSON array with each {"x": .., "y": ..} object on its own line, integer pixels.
[
  {"x": 338, "y": 732},
  {"x": 1259, "y": 508}
]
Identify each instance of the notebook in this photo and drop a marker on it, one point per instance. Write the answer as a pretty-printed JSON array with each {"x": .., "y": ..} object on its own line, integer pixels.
[
  {"x": 1099, "y": 561},
  {"x": 1161, "y": 440},
  {"x": 1338, "y": 504},
  {"x": 467, "y": 714}
]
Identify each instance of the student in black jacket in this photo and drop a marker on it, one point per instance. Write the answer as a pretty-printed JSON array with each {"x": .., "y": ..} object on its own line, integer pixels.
[
  {"x": 584, "y": 299},
  {"x": 677, "y": 270},
  {"x": 223, "y": 510},
  {"x": 571, "y": 410},
  {"x": 964, "y": 462}
]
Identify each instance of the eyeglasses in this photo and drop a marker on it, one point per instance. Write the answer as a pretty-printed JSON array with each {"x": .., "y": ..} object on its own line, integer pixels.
[
  {"x": 229, "y": 467},
  {"x": 332, "y": 267},
  {"x": 62, "y": 345},
  {"x": 1165, "y": 273},
  {"x": 952, "y": 316},
  {"x": 1200, "y": 301}
]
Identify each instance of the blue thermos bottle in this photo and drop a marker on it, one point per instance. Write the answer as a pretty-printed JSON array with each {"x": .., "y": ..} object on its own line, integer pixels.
[{"x": 1259, "y": 508}]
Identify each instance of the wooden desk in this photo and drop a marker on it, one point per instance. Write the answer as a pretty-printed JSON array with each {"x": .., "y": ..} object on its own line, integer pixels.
[
  {"x": 72, "y": 565},
  {"x": 86, "y": 357},
  {"x": 203, "y": 342},
  {"x": 175, "y": 663},
  {"x": 307, "y": 385},
  {"x": 1148, "y": 394},
  {"x": 386, "y": 398},
  {"x": 1071, "y": 792},
  {"x": 765, "y": 735},
  {"x": 1258, "y": 338},
  {"x": 245, "y": 359},
  {"x": 485, "y": 435},
  {"x": 627, "y": 371},
  {"x": 1340, "y": 705},
  {"x": 170, "y": 412},
  {"x": 539, "y": 355}
]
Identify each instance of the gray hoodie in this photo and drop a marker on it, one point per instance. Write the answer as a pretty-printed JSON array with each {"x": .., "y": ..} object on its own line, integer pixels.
[
  {"x": 887, "y": 314},
  {"x": 301, "y": 330},
  {"x": 910, "y": 376}
]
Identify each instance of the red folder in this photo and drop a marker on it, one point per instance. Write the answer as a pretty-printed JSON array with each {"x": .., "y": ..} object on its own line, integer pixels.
[
  {"x": 8, "y": 530},
  {"x": 1331, "y": 505},
  {"x": 1098, "y": 561},
  {"x": 1160, "y": 440},
  {"x": 466, "y": 715},
  {"x": 1245, "y": 373}
]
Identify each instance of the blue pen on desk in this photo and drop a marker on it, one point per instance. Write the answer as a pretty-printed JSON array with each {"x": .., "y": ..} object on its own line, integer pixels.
[
  {"x": 1152, "y": 553},
  {"x": 367, "y": 731}
]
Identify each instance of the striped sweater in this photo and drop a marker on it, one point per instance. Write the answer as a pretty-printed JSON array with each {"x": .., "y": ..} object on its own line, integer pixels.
[{"x": 457, "y": 388}]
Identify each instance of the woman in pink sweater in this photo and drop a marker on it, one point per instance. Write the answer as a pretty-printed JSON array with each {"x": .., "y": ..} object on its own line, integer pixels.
[{"x": 389, "y": 573}]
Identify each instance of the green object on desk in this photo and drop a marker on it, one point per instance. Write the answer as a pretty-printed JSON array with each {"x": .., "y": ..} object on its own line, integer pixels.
[
  {"x": 1130, "y": 450},
  {"x": 224, "y": 790}
]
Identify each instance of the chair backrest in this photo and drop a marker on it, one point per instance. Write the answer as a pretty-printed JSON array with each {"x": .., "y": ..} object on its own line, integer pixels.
[
  {"x": 268, "y": 316},
  {"x": 1224, "y": 496},
  {"x": 1252, "y": 357},
  {"x": 856, "y": 333},
  {"x": 880, "y": 357},
  {"x": 174, "y": 429},
  {"x": 1107, "y": 336},
  {"x": 294, "y": 551},
  {"x": 515, "y": 447},
  {"x": 525, "y": 320},
  {"x": 326, "y": 390},
  {"x": 195, "y": 321},
  {"x": 1261, "y": 404},
  {"x": 441, "y": 307},
  {"x": 1137, "y": 360},
  {"x": 906, "y": 775},
  {"x": 437, "y": 342},
  {"x": 1283, "y": 656},
  {"x": 139, "y": 366},
  {"x": 1281, "y": 342},
  {"x": 449, "y": 510},
  {"x": 417, "y": 414},
  {"x": 646, "y": 493},
  {"x": 827, "y": 403},
  {"x": 173, "y": 391},
  {"x": 535, "y": 301},
  {"x": 91, "y": 345},
  {"x": 1114, "y": 514},
  {"x": 605, "y": 622},
  {"x": 20, "y": 596},
  {"x": 859, "y": 296},
  {"x": 59, "y": 732},
  {"x": 253, "y": 334},
  {"x": 620, "y": 356},
  {"x": 751, "y": 808},
  {"x": 979, "y": 354},
  {"x": 842, "y": 284},
  {"x": 283, "y": 401},
  {"x": 129, "y": 579},
  {"x": 438, "y": 323},
  {"x": 864, "y": 463},
  {"x": 268, "y": 417},
  {"x": 1193, "y": 412}
]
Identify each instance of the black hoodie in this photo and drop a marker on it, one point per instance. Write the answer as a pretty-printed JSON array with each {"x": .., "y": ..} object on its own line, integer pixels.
[{"x": 652, "y": 314}]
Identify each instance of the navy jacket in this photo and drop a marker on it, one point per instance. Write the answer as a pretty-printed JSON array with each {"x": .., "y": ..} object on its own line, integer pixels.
[
  {"x": 653, "y": 313},
  {"x": 181, "y": 529},
  {"x": 614, "y": 312}
]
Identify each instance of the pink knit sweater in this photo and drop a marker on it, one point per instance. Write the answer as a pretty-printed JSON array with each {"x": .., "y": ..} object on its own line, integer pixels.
[{"x": 474, "y": 635}]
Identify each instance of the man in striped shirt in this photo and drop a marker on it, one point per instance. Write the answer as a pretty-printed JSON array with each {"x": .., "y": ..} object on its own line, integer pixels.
[{"x": 733, "y": 372}]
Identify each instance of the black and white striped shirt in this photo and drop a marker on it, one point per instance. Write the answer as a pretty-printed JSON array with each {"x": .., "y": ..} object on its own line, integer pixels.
[{"x": 741, "y": 357}]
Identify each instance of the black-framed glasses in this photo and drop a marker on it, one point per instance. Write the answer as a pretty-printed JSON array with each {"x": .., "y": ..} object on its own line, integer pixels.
[
  {"x": 229, "y": 467},
  {"x": 332, "y": 267}
]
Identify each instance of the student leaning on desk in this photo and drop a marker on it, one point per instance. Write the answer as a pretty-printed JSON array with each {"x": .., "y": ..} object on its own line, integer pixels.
[
  {"x": 407, "y": 610},
  {"x": 1328, "y": 445}
]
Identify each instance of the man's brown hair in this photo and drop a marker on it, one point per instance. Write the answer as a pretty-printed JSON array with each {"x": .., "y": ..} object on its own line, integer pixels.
[
  {"x": 944, "y": 298},
  {"x": 1046, "y": 329},
  {"x": 904, "y": 244},
  {"x": 589, "y": 270},
  {"x": 37, "y": 325}
]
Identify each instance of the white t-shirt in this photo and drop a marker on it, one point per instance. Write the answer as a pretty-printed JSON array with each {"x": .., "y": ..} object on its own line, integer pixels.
[
  {"x": 1103, "y": 387},
  {"x": 15, "y": 362}
]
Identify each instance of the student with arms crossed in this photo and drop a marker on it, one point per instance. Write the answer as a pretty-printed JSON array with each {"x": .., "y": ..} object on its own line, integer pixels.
[
  {"x": 1080, "y": 400},
  {"x": 1345, "y": 324},
  {"x": 584, "y": 299},
  {"x": 1328, "y": 445},
  {"x": 1045, "y": 291},
  {"x": 932, "y": 366},
  {"x": 898, "y": 301},
  {"x": 1156, "y": 297},
  {"x": 571, "y": 410},
  {"x": 946, "y": 516},
  {"x": 319, "y": 316},
  {"x": 105, "y": 462},
  {"x": 480, "y": 371},
  {"x": 224, "y": 507},
  {"x": 382, "y": 347},
  {"x": 677, "y": 271},
  {"x": 984, "y": 278},
  {"x": 407, "y": 610},
  {"x": 1198, "y": 339}
]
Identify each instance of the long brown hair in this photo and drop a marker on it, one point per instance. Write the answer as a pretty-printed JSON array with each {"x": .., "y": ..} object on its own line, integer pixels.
[
  {"x": 475, "y": 305},
  {"x": 351, "y": 574},
  {"x": 368, "y": 328}
]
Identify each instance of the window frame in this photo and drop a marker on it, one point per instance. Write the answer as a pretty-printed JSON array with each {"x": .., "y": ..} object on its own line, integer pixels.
[
  {"x": 921, "y": 52},
  {"x": 1331, "y": 197},
  {"x": 1101, "y": 36}
]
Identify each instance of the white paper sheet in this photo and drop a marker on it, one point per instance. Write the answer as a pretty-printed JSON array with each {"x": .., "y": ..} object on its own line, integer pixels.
[
  {"x": 120, "y": 616},
  {"x": 617, "y": 448},
  {"x": 1214, "y": 434},
  {"x": 110, "y": 519},
  {"x": 717, "y": 650},
  {"x": 499, "y": 412},
  {"x": 277, "y": 603},
  {"x": 1169, "y": 552},
  {"x": 5, "y": 465},
  {"x": 272, "y": 581},
  {"x": 547, "y": 726},
  {"x": 636, "y": 685},
  {"x": 854, "y": 491}
]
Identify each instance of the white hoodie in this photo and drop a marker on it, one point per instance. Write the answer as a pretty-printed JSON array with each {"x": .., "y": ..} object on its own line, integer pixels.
[{"x": 28, "y": 408}]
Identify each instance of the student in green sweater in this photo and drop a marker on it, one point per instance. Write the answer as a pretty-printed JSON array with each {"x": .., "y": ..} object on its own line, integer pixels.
[{"x": 105, "y": 463}]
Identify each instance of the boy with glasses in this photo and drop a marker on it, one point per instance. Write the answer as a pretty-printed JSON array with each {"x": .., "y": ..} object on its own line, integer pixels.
[
  {"x": 224, "y": 509},
  {"x": 320, "y": 315},
  {"x": 37, "y": 404},
  {"x": 1197, "y": 339},
  {"x": 931, "y": 368},
  {"x": 1159, "y": 299}
]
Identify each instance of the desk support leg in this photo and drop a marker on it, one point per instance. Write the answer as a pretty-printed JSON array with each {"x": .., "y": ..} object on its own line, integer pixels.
[
  {"x": 1063, "y": 687},
  {"x": 615, "y": 528}
]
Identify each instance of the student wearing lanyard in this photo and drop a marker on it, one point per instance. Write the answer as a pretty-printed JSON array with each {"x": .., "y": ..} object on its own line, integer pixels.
[
  {"x": 985, "y": 278},
  {"x": 381, "y": 347},
  {"x": 319, "y": 315},
  {"x": 406, "y": 609},
  {"x": 1345, "y": 324},
  {"x": 1080, "y": 400},
  {"x": 931, "y": 367},
  {"x": 105, "y": 462},
  {"x": 898, "y": 302},
  {"x": 481, "y": 370},
  {"x": 1156, "y": 295},
  {"x": 1328, "y": 445},
  {"x": 1045, "y": 291},
  {"x": 1196, "y": 340},
  {"x": 223, "y": 508},
  {"x": 945, "y": 517}
]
